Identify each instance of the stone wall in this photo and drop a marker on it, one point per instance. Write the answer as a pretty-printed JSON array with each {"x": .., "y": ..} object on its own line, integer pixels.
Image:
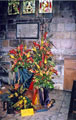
[
  {"x": 62, "y": 27},
  {"x": 63, "y": 30}
]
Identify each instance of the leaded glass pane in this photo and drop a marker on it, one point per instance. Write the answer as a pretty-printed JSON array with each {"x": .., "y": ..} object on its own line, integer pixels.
[
  {"x": 13, "y": 7},
  {"x": 28, "y": 6},
  {"x": 45, "y": 6}
]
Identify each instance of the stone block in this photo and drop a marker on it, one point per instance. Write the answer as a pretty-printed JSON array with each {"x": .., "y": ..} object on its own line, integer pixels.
[
  {"x": 5, "y": 43},
  {"x": 73, "y": 35},
  {"x": 59, "y": 19},
  {"x": 2, "y": 35},
  {"x": 0, "y": 43},
  {"x": 60, "y": 27},
  {"x": 69, "y": 52},
  {"x": 11, "y": 35},
  {"x": 2, "y": 27},
  {"x": 66, "y": 43},
  {"x": 67, "y": 35},
  {"x": 59, "y": 35},
  {"x": 66, "y": 13},
  {"x": 13, "y": 43},
  {"x": 74, "y": 44},
  {"x": 56, "y": 43},
  {"x": 70, "y": 27},
  {"x": 53, "y": 27},
  {"x": 12, "y": 27}
]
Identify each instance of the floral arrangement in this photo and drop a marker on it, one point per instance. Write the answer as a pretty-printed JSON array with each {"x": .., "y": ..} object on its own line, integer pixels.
[
  {"x": 38, "y": 60},
  {"x": 18, "y": 98},
  {"x": 43, "y": 64},
  {"x": 20, "y": 57}
]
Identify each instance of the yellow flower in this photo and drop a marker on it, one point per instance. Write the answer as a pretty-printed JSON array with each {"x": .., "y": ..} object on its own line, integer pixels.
[
  {"x": 36, "y": 71},
  {"x": 25, "y": 101},
  {"x": 20, "y": 97},
  {"x": 34, "y": 49},
  {"x": 50, "y": 73},
  {"x": 28, "y": 55},
  {"x": 42, "y": 41},
  {"x": 16, "y": 94},
  {"x": 50, "y": 77},
  {"x": 25, "y": 47},
  {"x": 37, "y": 65},
  {"x": 41, "y": 73},
  {"x": 45, "y": 61},
  {"x": 21, "y": 101},
  {"x": 11, "y": 96},
  {"x": 11, "y": 56},
  {"x": 23, "y": 98}
]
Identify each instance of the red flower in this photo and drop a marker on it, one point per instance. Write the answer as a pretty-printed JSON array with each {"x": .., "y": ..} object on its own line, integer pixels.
[
  {"x": 46, "y": 56},
  {"x": 27, "y": 50},
  {"x": 31, "y": 59},
  {"x": 43, "y": 77},
  {"x": 22, "y": 63},
  {"x": 21, "y": 47},
  {"x": 38, "y": 74},
  {"x": 31, "y": 86},
  {"x": 46, "y": 44},
  {"x": 50, "y": 5},
  {"x": 19, "y": 58},
  {"x": 21, "y": 53},
  {"x": 12, "y": 51},
  {"x": 15, "y": 62},
  {"x": 34, "y": 71},
  {"x": 40, "y": 5},
  {"x": 45, "y": 34},
  {"x": 54, "y": 71},
  {"x": 27, "y": 61},
  {"x": 40, "y": 63},
  {"x": 43, "y": 57},
  {"x": 36, "y": 44},
  {"x": 34, "y": 96}
]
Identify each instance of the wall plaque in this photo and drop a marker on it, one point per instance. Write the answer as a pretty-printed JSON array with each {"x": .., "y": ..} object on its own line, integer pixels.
[{"x": 27, "y": 30}]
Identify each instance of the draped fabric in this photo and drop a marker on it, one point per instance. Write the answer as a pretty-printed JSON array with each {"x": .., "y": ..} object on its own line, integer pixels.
[{"x": 24, "y": 77}]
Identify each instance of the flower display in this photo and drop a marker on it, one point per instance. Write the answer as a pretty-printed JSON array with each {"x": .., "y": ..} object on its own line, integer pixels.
[
  {"x": 36, "y": 68},
  {"x": 17, "y": 97},
  {"x": 20, "y": 57},
  {"x": 43, "y": 64}
]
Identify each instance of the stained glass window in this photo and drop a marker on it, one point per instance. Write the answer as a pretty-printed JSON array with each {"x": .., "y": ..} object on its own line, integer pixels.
[
  {"x": 45, "y": 6},
  {"x": 13, "y": 7},
  {"x": 28, "y": 6}
]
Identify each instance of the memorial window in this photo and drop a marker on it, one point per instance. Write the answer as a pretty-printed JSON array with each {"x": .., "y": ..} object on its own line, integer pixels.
[
  {"x": 13, "y": 7},
  {"x": 45, "y": 6},
  {"x": 28, "y": 6}
]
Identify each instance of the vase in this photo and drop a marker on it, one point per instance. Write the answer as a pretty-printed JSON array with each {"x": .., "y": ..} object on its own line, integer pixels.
[
  {"x": 35, "y": 101},
  {"x": 44, "y": 96}
]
